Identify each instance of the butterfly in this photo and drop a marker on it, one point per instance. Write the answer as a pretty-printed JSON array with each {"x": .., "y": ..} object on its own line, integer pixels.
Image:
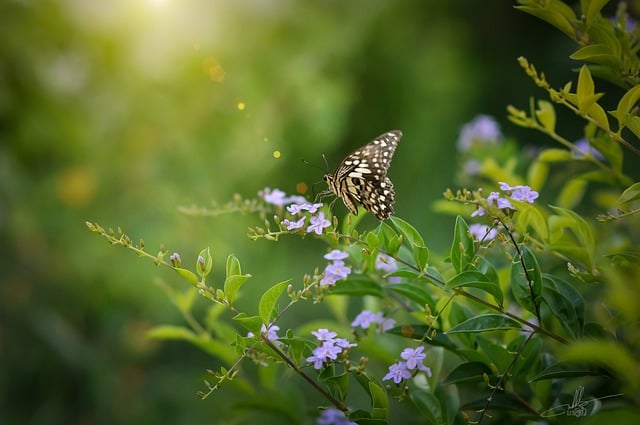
[{"x": 362, "y": 178}]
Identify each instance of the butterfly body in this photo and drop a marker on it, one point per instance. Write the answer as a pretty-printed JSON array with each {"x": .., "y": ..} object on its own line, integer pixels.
[{"x": 362, "y": 178}]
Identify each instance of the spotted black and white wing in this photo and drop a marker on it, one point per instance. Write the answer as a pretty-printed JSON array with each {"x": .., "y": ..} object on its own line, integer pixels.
[{"x": 362, "y": 178}]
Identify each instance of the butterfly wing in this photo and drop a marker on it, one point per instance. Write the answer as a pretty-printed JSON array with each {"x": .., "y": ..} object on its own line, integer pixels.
[{"x": 362, "y": 177}]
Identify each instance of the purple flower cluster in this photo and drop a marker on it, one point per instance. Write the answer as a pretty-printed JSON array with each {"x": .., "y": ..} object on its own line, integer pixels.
[
  {"x": 412, "y": 364},
  {"x": 336, "y": 270},
  {"x": 333, "y": 416},
  {"x": 482, "y": 129},
  {"x": 367, "y": 318},
  {"x": 279, "y": 198},
  {"x": 297, "y": 205},
  {"x": 330, "y": 349},
  {"x": 519, "y": 193}
]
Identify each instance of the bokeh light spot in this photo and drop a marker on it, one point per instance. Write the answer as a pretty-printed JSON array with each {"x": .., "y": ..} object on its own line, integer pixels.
[
  {"x": 301, "y": 187},
  {"x": 276, "y": 154},
  {"x": 241, "y": 106}
]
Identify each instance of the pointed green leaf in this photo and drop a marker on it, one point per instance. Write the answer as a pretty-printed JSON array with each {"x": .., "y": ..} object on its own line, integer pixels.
[
  {"x": 205, "y": 267},
  {"x": 414, "y": 239},
  {"x": 251, "y": 323},
  {"x": 232, "y": 285},
  {"x": 269, "y": 300},
  {"x": 475, "y": 279},
  {"x": 567, "y": 370},
  {"x": 546, "y": 115},
  {"x": 358, "y": 287},
  {"x": 485, "y": 322},
  {"x": 632, "y": 193},
  {"x": 468, "y": 372},
  {"x": 232, "y": 266},
  {"x": 586, "y": 89},
  {"x": 526, "y": 286},
  {"x": 187, "y": 275},
  {"x": 462, "y": 248}
]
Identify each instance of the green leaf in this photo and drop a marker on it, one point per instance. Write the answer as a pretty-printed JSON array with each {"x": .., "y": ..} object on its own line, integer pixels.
[
  {"x": 530, "y": 216},
  {"x": 484, "y": 323},
  {"x": 233, "y": 266},
  {"x": 416, "y": 292},
  {"x": 338, "y": 385},
  {"x": 610, "y": 354},
  {"x": 632, "y": 193},
  {"x": 596, "y": 53},
  {"x": 468, "y": 372},
  {"x": 251, "y": 323},
  {"x": 187, "y": 275},
  {"x": 627, "y": 102},
  {"x": 378, "y": 396},
  {"x": 358, "y": 287},
  {"x": 555, "y": 155},
  {"x": 546, "y": 115},
  {"x": 572, "y": 193},
  {"x": 475, "y": 279},
  {"x": 593, "y": 10},
  {"x": 428, "y": 404},
  {"x": 213, "y": 347},
  {"x": 567, "y": 370},
  {"x": 526, "y": 287},
  {"x": 269, "y": 299},
  {"x": 582, "y": 248},
  {"x": 462, "y": 249},
  {"x": 232, "y": 285},
  {"x": 205, "y": 268},
  {"x": 411, "y": 235},
  {"x": 414, "y": 239},
  {"x": 586, "y": 90},
  {"x": 570, "y": 296},
  {"x": 234, "y": 279},
  {"x": 496, "y": 353},
  {"x": 555, "y": 13}
]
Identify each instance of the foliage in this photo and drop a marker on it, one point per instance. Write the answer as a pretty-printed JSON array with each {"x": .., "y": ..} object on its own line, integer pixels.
[{"x": 530, "y": 316}]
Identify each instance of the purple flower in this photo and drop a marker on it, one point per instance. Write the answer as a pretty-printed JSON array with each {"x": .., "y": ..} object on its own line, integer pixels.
[
  {"x": 482, "y": 129},
  {"x": 524, "y": 194},
  {"x": 502, "y": 203},
  {"x": 271, "y": 333},
  {"x": 505, "y": 187},
  {"x": 291, "y": 225},
  {"x": 318, "y": 223},
  {"x": 296, "y": 199},
  {"x": 312, "y": 208},
  {"x": 323, "y": 334},
  {"x": 481, "y": 231},
  {"x": 414, "y": 358},
  {"x": 386, "y": 263},
  {"x": 333, "y": 416},
  {"x": 327, "y": 351},
  {"x": 386, "y": 324},
  {"x": 336, "y": 254},
  {"x": 175, "y": 259},
  {"x": 295, "y": 208},
  {"x": 366, "y": 318},
  {"x": 275, "y": 197},
  {"x": 397, "y": 372},
  {"x": 334, "y": 272},
  {"x": 479, "y": 212},
  {"x": 344, "y": 343}
]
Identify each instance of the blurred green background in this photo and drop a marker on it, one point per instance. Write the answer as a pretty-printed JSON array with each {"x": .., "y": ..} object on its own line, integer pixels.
[{"x": 121, "y": 111}]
